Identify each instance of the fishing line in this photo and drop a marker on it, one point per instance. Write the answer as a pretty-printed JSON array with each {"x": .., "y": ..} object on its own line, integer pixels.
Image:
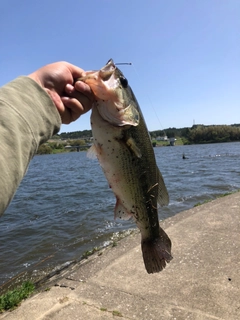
[{"x": 148, "y": 96}]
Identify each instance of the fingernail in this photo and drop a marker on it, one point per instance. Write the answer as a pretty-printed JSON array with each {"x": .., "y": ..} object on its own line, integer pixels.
[{"x": 69, "y": 88}]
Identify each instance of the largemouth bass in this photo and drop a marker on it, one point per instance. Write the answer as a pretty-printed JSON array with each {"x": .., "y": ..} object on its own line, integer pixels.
[{"x": 123, "y": 147}]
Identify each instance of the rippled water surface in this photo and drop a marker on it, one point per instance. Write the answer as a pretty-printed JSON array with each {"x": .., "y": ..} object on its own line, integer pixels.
[{"x": 65, "y": 207}]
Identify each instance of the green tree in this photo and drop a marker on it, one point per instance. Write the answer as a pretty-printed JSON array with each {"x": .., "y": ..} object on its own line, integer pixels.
[{"x": 44, "y": 149}]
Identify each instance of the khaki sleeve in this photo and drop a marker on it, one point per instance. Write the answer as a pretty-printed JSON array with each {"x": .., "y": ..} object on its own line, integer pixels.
[{"x": 28, "y": 117}]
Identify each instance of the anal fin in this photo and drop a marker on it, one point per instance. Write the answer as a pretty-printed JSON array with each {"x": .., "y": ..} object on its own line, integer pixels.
[
  {"x": 132, "y": 145},
  {"x": 92, "y": 152}
]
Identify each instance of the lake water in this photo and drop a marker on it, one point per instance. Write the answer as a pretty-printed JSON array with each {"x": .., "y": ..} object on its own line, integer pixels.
[{"x": 64, "y": 206}]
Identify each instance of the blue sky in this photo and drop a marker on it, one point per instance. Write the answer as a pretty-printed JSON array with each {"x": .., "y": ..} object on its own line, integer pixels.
[{"x": 185, "y": 53}]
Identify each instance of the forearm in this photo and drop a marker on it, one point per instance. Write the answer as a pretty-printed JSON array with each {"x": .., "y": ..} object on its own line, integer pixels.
[{"x": 28, "y": 117}]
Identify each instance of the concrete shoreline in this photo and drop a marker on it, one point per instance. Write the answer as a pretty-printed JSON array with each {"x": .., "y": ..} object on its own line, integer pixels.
[{"x": 201, "y": 282}]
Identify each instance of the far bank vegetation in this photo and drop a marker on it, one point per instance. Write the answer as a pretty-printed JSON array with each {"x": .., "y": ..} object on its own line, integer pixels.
[
  {"x": 197, "y": 134},
  {"x": 59, "y": 146}
]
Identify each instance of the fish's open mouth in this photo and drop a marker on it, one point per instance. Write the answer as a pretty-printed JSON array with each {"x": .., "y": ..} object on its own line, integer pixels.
[
  {"x": 103, "y": 82},
  {"x": 107, "y": 71}
]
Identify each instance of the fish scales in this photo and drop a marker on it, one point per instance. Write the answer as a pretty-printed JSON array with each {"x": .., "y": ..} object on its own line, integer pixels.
[{"x": 123, "y": 147}]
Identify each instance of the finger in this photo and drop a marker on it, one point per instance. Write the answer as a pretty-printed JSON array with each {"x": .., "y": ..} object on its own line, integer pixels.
[
  {"x": 69, "y": 89},
  {"x": 84, "y": 88},
  {"x": 73, "y": 109},
  {"x": 80, "y": 89},
  {"x": 85, "y": 97}
]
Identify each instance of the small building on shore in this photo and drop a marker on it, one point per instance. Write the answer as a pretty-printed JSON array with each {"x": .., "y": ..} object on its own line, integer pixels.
[
  {"x": 163, "y": 138},
  {"x": 172, "y": 141}
]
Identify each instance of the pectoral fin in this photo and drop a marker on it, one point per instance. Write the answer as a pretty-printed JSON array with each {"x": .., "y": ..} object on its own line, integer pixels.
[
  {"x": 121, "y": 212},
  {"x": 92, "y": 152},
  {"x": 134, "y": 148}
]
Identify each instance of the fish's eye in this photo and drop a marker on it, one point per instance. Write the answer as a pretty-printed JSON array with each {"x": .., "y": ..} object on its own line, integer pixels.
[{"x": 123, "y": 82}]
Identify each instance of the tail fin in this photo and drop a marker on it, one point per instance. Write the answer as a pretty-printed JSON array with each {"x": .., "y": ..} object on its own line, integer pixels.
[{"x": 156, "y": 252}]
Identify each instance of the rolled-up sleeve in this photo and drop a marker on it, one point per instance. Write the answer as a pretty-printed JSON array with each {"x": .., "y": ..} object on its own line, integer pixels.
[{"x": 28, "y": 118}]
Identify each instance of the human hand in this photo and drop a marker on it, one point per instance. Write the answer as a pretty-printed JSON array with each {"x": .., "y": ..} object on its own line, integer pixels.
[{"x": 71, "y": 99}]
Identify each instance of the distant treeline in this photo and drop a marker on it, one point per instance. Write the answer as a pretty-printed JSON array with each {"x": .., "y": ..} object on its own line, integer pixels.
[
  {"x": 195, "y": 134},
  {"x": 74, "y": 135},
  {"x": 212, "y": 134},
  {"x": 202, "y": 134},
  {"x": 59, "y": 146}
]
